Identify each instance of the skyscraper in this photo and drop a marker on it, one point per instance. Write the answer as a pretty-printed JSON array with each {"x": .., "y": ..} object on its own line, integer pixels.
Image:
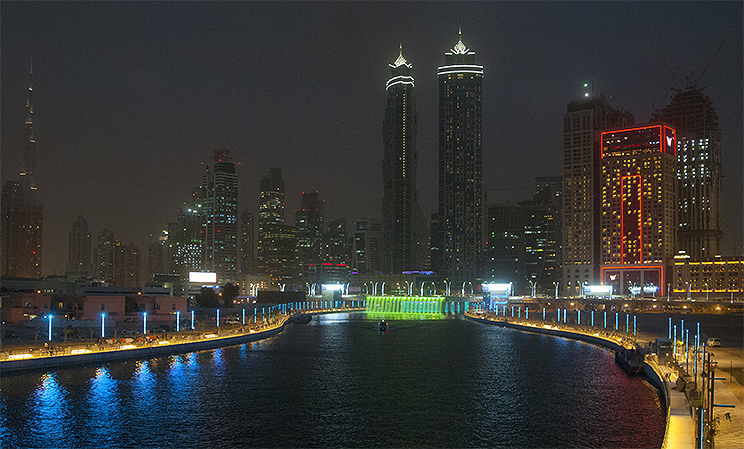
[
  {"x": 104, "y": 256},
  {"x": 22, "y": 217},
  {"x": 638, "y": 209},
  {"x": 79, "y": 246},
  {"x": 220, "y": 217},
  {"x": 276, "y": 241},
  {"x": 367, "y": 243},
  {"x": 247, "y": 243},
  {"x": 185, "y": 241},
  {"x": 698, "y": 171},
  {"x": 461, "y": 205},
  {"x": 400, "y": 197},
  {"x": 309, "y": 235},
  {"x": 582, "y": 122}
]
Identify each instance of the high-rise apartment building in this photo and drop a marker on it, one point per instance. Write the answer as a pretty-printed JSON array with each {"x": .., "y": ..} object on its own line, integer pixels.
[
  {"x": 309, "y": 236},
  {"x": 367, "y": 247},
  {"x": 126, "y": 265},
  {"x": 400, "y": 197},
  {"x": 337, "y": 243},
  {"x": 247, "y": 243},
  {"x": 460, "y": 227},
  {"x": 185, "y": 244},
  {"x": 505, "y": 249},
  {"x": 691, "y": 113},
  {"x": 104, "y": 256},
  {"x": 543, "y": 235},
  {"x": 638, "y": 207},
  {"x": 78, "y": 259},
  {"x": 276, "y": 240},
  {"x": 582, "y": 123},
  {"x": 220, "y": 218}
]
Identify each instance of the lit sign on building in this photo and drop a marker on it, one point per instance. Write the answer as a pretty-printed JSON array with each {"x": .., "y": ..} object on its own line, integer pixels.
[
  {"x": 202, "y": 278},
  {"x": 598, "y": 290}
]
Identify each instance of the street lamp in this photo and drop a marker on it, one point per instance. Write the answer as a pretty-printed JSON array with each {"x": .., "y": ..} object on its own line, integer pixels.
[
  {"x": 192, "y": 320},
  {"x": 50, "y": 326},
  {"x": 178, "y": 321},
  {"x": 103, "y": 327},
  {"x": 144, "y": 323}
]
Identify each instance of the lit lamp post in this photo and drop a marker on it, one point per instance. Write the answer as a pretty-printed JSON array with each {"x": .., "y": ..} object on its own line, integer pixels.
[
  {"x": 50, "y": 326},
  {"x": 192, "y": 320},
  {"x": 144, "y": 323},
  {"x": 103, "y": 325},
  {"x": 178, "y": 321}
]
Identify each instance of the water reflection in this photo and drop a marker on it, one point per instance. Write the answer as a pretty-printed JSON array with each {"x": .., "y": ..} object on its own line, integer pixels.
[
  {"x": 104, "y": 408},
  {"x": 50, "y": 414},
  {"x": 143, "y": 390}
]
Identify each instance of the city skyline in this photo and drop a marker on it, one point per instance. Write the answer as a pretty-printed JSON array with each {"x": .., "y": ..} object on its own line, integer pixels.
[{"x": 124, "y": 115}]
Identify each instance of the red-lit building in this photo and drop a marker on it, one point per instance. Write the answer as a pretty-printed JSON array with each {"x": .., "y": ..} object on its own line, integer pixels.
[{"x": 638, "y": 207}]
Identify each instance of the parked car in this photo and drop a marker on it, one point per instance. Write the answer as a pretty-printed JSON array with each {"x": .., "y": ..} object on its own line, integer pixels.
[
  {"x": 233, "y": 321},
  {"x": 714, "y": 342},
  {"x": 129, "y": 331}
]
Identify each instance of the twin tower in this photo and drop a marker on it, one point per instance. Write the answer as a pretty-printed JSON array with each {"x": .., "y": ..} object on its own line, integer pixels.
[{"x": 457, "y": 226}]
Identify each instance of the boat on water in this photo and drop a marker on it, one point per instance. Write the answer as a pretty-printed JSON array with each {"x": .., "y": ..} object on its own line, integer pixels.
[
  {"x": 382, "y": 326},
  {"x": 630, "y": 360}
]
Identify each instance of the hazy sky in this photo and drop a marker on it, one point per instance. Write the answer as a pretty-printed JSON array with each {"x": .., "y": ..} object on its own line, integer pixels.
[{"x": 131, "y": 97}]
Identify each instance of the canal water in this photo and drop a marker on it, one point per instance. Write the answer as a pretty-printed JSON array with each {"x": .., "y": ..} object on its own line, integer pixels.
[{"x": 338, "y": 382}]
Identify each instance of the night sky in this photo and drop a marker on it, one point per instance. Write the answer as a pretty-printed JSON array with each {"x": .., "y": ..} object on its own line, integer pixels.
[{"x": 130, "y": 98}]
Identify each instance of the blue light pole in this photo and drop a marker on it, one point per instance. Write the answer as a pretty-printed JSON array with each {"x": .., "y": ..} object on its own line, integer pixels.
[
  {"x": 50, "y": 326},
  {"x": 218, "y": 318},
  {"x": 243, "y": 317},
  {"x": 627, "y": 323},
  {"x": 617, "y": 322},
  {"x": 192, "y": 320},
  {"x": 103, "y": 325},
  {"x": 543, "y": 313},
  {"x": 178, "y": 321},
  {"x": 605, "y": 319},
  {"x": 670, "y": 328},
  {"x": 592, "y": 318},
  {"x": 578, "y": 317},
  {"x": 144, "y": 323}
]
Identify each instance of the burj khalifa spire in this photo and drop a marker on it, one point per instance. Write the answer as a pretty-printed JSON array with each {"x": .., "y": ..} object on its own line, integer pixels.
[{"x": 28, "y": 183}]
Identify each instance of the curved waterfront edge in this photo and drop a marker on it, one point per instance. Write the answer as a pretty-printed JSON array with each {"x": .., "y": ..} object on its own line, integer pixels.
[
  {"x": 146, "y": 352},
  {"x": 652, "y": 370}
]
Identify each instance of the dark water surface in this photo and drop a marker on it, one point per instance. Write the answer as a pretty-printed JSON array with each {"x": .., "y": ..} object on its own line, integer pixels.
[{"x": 337, "y": 382}]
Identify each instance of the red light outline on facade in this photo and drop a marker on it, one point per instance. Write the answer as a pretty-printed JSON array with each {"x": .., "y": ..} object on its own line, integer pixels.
[
  {"x": 674, "y": 133},
  {"x": 622, "y": 218},
  {"x": 636, "y": 266},
  {"x": 622, "y": 130}
]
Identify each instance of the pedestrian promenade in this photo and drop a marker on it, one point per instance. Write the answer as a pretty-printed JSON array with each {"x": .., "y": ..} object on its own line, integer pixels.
[{"x": 680, "y": 432}]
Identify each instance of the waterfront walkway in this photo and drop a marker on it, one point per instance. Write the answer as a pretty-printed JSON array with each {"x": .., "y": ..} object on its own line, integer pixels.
[
  {"x": 680, "y": 429},
  {"x": 26, "y": 357}
]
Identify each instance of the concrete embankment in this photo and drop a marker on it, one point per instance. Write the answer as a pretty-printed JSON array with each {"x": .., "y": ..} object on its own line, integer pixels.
[
  {"x": 141, "y": 352},
  {"x": 679, "y": 426},
  {"x": 157, "y": 348}
]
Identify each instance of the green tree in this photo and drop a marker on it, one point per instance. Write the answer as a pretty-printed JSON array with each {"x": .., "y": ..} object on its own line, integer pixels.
[
  {"x": 229, "y": 293},
  {"x": 207, "y": 298}
]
